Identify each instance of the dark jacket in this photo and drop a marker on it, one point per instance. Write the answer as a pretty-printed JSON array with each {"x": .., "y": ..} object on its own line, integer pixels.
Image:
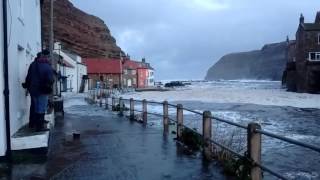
[{"x": 40, "y": 73}]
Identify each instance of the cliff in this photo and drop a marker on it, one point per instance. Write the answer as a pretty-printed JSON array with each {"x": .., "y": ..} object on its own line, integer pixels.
[
  {"x": 267, "y": 63},
  {"x": 78, "y": 31}
]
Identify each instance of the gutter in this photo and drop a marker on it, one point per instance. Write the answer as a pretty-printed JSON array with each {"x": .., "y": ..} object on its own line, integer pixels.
[{"x": 6, "y": 79}]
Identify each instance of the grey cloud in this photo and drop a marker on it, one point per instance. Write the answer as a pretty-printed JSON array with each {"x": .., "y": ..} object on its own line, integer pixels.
[{"x": 183, "y": 38}]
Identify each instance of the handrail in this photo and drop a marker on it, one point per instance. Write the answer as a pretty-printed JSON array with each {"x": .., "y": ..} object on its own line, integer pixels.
[
  {"x": 292, "y": 141},
  {"x": 258, "y": 131}
]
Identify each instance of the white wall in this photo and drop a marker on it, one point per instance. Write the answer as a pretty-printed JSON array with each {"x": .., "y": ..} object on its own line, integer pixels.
[
  {"x": 151, "y": 77},
  {"x": 2, "y": 119},
  {"x": 74, "y": 74},
  {"x": 24, "y": 32}
]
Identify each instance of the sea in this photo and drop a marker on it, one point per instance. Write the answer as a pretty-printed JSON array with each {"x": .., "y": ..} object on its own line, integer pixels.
[{"x": 291, "y": 115}]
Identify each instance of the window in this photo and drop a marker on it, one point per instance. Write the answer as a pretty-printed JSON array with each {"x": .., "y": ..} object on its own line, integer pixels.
[
  {"x": 314, "y": 56},
  {"x": 318, "y": 38}
]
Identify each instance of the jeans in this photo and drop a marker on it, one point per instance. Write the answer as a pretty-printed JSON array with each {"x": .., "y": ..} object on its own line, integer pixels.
[{"x": 40, "y": 103}]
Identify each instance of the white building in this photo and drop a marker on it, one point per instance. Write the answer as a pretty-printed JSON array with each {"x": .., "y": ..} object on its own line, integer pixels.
[
  {"x": 73, "y": 69},
  {"x": 24, "y": 42},
  {"x": 150, "y": 80}
]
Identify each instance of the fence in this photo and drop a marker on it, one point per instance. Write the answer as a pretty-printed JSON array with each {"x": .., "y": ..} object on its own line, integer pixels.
[{"x": 253, "y": 131}]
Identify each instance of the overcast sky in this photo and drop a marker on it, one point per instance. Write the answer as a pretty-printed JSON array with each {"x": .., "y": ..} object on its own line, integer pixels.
[{"x": 183, "y": 38}]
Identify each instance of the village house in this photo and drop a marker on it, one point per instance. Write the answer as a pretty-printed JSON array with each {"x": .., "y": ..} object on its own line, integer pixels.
[
  {"x": 302, "y": 73},
  {"x": 119, "y": 73},
  {"x": 105, "y": 73},
  {"x": 73, "y": 72},
  {"x": 23, "y": 40}
]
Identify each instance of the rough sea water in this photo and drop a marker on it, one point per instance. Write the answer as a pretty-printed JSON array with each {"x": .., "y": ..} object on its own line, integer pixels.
[{"x": 292, "y": 115}]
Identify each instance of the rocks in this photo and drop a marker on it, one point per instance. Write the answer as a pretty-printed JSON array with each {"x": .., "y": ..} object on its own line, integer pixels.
[
  {"x": 267, "y": 63},
  {"x": 78, "y": 31}
]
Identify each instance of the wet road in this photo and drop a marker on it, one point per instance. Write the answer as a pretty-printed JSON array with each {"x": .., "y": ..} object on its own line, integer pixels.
[{"x": 111, "y": 147}]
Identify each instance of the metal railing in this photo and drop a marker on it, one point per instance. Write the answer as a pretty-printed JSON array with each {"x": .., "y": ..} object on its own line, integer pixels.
[{"x": 254, "y": 132}]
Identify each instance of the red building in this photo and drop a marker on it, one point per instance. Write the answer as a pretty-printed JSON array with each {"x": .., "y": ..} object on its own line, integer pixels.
[
  {"x": 117, "y": 73},
  {"x": 143, "y": 77},
  {"x": 108, "y": 72}
]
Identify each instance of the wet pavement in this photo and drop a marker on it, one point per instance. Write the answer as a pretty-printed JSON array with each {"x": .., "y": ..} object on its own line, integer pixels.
[{"x": 112, "y": 147}]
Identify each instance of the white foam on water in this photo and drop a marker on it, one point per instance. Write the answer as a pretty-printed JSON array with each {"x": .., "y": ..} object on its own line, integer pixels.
[
  {"x": 231, "y": 92},
  {"x": 302, "y": 175}
]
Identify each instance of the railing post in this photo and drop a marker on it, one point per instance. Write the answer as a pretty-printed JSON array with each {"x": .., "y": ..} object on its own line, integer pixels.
[
  {"x": 144, "y": 111},
  {"x": 120, "y": 106},
  {"x": 100, "y": 101},
  {"x": 131, "y": 109},
  {"x": 165, "y": 117},
  {"x": 113, "y": 104},
  {"x": 180, "y": 121},
  {"x": 207, "y": 132},
  {"x": 107, "y": 103},
  {"x": 254, "y": 150}
]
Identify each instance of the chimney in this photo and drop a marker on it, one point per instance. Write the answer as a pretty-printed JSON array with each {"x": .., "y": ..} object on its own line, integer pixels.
[
  {"x": 318, "y": 18},
  {"x": 301, "y": 18},
  {"x": 144, "y": 60}
]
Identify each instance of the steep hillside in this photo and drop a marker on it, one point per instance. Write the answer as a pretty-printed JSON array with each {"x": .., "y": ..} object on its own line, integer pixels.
[
  {"x": 78, "y": 31},
  {"x": 267, "y": 63}
]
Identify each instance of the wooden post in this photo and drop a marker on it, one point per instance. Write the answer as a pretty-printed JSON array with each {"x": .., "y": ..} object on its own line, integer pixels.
[
  {"x": 120, "y": 106},
  {"x": 254, "y": 150},
  {"x": 131, "y": 109},
  {"x": 207, "y": 131},
  {"x": 107, "y": 103},
  {"x": 100, "y": 101},
  {"x": 165, "y": 117},
  {"x": 180, "y": 121},
  {"x": 113, "y": 104},
  {"x": 144, "y": 110}
]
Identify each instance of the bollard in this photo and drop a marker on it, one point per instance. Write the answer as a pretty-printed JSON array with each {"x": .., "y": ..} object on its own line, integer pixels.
[
  {"x": 206, "y": 132},
  {"x": 165, "y": 117},
  {"x": 131, "y": 109},
  {"x": 144, "y": 111},
  {"x": 113, "y": 104},
  {"x": 180, "y": 121},
  {"x": 120, "y": 106},
  {"x": 107, "y": 103},
  {"x": 254, "y": 150}
]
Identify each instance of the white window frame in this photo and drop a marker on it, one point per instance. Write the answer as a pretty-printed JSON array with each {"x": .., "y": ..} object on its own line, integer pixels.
[{"x": 317, "y": 56}]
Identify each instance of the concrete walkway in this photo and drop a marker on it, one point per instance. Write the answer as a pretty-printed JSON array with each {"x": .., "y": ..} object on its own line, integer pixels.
[{"x": 111, "y": 147}]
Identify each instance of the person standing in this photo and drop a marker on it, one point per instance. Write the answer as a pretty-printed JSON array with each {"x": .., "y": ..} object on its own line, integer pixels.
[{"x": 39, "y": 82}]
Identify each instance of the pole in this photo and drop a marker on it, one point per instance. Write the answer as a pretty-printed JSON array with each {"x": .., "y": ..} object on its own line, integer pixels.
[
  {"x": 207, "y": 131},
  {"x": 131, "y": 109},
  {"x": 165, "y": 117},
  {"x": 6, "y": 80},
  {"x": 254, "y": 150},
  {"x": 120, "y": 106},
  {"x": 144, "y": 110},
  {"x": 180, "y": 121}
]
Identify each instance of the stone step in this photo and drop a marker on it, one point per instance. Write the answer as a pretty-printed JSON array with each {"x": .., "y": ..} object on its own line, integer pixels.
[{"x": 26, "y": 138}]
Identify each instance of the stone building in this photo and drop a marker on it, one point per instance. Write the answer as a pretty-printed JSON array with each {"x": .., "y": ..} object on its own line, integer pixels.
[{"x": 302, "y": 73}]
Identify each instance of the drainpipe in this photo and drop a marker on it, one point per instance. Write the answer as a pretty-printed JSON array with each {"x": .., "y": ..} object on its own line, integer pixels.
[{"x": 6, "y": 79}]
